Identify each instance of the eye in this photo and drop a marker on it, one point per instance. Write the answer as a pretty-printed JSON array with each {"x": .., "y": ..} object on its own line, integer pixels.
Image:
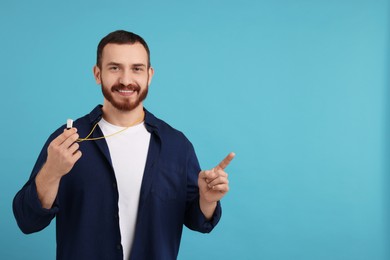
[
  {"x": 113, "y": 68},
  {"x": 138, "y": 69}
]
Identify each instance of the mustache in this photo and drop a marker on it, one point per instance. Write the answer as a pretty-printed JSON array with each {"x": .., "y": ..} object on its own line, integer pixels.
[{"x": 132, "y": 87}]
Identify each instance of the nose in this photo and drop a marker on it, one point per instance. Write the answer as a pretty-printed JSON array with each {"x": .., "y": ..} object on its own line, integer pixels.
[{"x": 126, "y": 78}]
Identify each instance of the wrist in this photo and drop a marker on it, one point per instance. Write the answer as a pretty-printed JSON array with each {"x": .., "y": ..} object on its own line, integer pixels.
[
  {"x": 207, "y": 207},
  {"x": 47, "y": 176},
  {"x": 47, "y": 183}
]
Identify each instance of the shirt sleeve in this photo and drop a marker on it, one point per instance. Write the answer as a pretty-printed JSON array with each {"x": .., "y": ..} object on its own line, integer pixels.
[
  {"x": 194, "y": 218},
  {"x": 28, "y": 211}
]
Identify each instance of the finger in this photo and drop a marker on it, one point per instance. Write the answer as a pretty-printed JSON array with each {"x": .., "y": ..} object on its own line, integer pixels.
[
  {"x": 208, "y": 175},
  {"x": 225, "y": 162},
  {"x": 77, "y": 155},
  {"x": 73, "y": 148},
  {"x": 70, "y": 140},
  {"x": 215, "y": 175},
  {"x": 218, "y": 181},
  {"x": 221, "y": 188},
  {"x": 202, "y": 175},
  {"x": 62, "y": 137},
  {"x": 220, "y": 172}
]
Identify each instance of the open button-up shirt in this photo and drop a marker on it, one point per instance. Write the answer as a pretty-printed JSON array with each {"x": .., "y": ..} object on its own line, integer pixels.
[{"x": 86, "y": 207}]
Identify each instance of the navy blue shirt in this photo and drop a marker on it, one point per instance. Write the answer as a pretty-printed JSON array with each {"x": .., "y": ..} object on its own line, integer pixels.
[{"x": 86, "y": 207}]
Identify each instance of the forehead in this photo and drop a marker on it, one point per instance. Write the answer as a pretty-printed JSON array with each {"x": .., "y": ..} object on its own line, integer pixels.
[{"x": 124, "y": 53}]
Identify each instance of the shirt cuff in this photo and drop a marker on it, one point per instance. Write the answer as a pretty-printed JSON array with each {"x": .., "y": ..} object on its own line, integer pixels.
[{"x": 209, "y": 225}]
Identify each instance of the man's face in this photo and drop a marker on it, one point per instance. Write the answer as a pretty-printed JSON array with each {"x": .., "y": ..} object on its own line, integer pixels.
[{"x": 124, "y": 75}]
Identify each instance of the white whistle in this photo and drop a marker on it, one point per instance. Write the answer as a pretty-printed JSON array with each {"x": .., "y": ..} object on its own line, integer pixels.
[{"x": 69, "y": 124}]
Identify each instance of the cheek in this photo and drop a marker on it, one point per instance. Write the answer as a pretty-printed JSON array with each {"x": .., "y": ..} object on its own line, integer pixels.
[
  {"x": 141, "y": 81},
  {"x": 107, "y": 80}
]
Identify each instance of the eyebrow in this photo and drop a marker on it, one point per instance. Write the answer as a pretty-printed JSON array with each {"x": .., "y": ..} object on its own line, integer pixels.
[
  {"x": 119, "y": 64},
  {"x": 113, "y": 64},
  {"x": 139, "y": 65}
]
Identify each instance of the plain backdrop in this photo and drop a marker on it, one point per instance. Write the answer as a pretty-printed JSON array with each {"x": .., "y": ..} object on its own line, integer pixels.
[{"x": 298, "y": 89}]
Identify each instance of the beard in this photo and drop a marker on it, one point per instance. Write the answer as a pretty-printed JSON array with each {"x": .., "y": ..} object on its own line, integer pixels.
[{"x": 124, "y": 104}]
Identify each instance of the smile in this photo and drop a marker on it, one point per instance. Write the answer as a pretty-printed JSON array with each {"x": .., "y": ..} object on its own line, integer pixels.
[{"x": 126, "y": 91}]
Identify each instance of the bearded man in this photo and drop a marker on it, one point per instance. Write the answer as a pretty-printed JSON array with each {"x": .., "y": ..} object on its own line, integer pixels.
[{"x": 121, "y": 183}]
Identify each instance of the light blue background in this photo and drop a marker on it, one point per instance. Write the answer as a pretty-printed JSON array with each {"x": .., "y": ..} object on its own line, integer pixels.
[{"x": 298, "y": 89}]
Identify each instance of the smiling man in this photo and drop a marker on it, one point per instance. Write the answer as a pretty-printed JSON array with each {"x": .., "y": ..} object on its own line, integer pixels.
[{"x": 121, "y": 183}]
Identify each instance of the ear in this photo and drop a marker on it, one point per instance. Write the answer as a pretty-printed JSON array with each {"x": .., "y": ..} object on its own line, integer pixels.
[
  {"x": 96, "y": 73},
  {"x": 151, "y": 73}
]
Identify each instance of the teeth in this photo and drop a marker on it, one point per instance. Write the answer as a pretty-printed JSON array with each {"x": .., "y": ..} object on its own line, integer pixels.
[{"x": 126, "y": 91}]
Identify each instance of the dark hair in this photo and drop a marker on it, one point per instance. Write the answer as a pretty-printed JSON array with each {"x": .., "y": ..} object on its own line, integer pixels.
[{"x": 120, "y": 37}]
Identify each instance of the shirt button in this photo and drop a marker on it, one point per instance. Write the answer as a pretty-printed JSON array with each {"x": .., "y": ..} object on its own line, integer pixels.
[
  {"x": 119, "y": 247},
  {"x": 114, "y": 184}
]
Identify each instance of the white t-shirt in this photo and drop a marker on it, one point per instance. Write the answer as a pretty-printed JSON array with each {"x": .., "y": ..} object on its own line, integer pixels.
[{"x": 128, "y": 150}]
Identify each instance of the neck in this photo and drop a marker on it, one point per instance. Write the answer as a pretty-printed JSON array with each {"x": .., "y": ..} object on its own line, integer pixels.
[{"x": 123, "y": 118}]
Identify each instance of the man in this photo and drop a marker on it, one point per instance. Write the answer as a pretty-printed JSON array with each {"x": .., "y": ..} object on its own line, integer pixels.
[{"x": 122, "y": 182}]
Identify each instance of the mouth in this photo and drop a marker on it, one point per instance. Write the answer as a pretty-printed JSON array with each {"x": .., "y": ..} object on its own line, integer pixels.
[{"x": 126, "y": 91}]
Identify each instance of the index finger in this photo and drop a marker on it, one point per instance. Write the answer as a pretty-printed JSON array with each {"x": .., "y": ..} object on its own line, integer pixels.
[
  {"x": 225, "y": 162},
  {"x": 64, "y": 136}
]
